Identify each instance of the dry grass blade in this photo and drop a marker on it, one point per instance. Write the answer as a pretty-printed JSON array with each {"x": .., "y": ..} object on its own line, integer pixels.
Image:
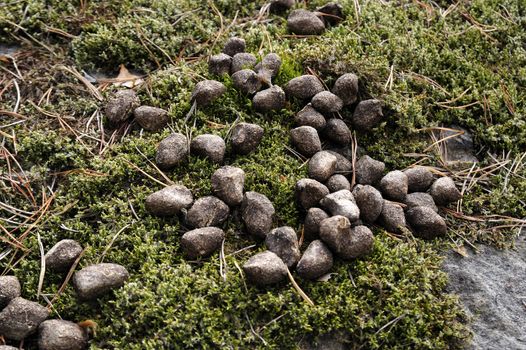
[
  {"x": 299, "y": 290},
  {"x": 92, "y": 89},
  {"x": 101, "y": 259},
  {"x": 155, "y": 167},
  {"x": 68, "y": 277},
  {"x": 145, "y": 173},
  {"x": 42, "y": 265}
]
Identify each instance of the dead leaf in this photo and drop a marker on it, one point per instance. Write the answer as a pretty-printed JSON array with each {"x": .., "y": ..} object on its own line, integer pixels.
[
  {"x": 127, "y": 79},
  {"x": 326, "y": 277},
  {"x": 462, "y": 251}
]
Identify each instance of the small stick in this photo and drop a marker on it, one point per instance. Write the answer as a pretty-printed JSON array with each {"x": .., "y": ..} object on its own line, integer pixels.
[
  {"x": 42, "y": 265},
  {"x": 68, "y": 277},
  {"x": 299, "y": 290}
]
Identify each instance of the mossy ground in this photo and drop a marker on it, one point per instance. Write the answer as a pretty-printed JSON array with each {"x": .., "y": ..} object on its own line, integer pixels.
[{"x": 471, "y": 54}]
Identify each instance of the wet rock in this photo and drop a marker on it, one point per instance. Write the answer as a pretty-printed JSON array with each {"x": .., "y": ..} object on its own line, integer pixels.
[
  {"x": 246, "y": 81},
  {"x": 316, "y": 261},
  {"x": 246, "y": 137},
  {"x": 169, "y": 201},
  {"x": 322, "y": 166},
  {"x": 444, "y": 191},
  {"x": 270, "y": 99},
  {"x": 346, "y": 88},
  {"x": 61, "y": 335},
  {"x": 220, "y": 64},
  {"x": 281, "y": 5},
  {"x": 418, "y": 179},
  {"x": 62, "y": 255},
  {"x": 242, "y": 60},
  {"x": 332, "y": 13},
  {"x": 341, "y": 203},
  {"x": 234, "y": 46},
  {"x": 338, "y": 182},
  {"x": 9, "y": 289},
  {"x": 304, "y": 87},
  {"x": 283, "y": 241},
  {"x": 268, "y": 68},
  {"x": 343, "y": 165},
  {"x": 227, "y": 184},
  {"x": 20, "y": 318},
  {"x": 171, "y": 151},
  {"x": 367, "y": 115},
  {"x": 337, "y": 131},
  {"x": 207, "y": 211},
  {"x": 458, "y": 149},
  {"x": 207, "y": 91},
  {"x": 394, "y": 186},
  {"x": 210, "y": 146},
  {"x": 370, "y": 202},
  {"x": 420, "y": 199},
  {"x": 257, "y": 212},
  {"x": 120, "y": 107},
  {"x": 392, "y": 217},
  {"x": 327, "y": 102},
  {"x": 305, "y": 22},
  {"x": 309, "y": 116},
  {"x": 311, "y": 226},
  {"x": 265, "y": 268},
  {"x": 202, "y": 242},
  {"x": 309, "y": 192},
  {"x": 368, "y": 170},
  {"x": 344, "y": 241},
  {"x": 426, "y": 223},
  {"x": 96, "y": 280},
  {"x": 151, "y": 118},
  {"x": 306, "y": 140}
]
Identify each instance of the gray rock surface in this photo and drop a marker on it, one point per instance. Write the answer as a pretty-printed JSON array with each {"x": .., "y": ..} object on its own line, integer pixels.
[
  {"x": 265, "y": 268},
  {"x": 228, "y": 183},
  {"x": 283, "y": 241},
  {"x": 151, "y": 118},
  {"x": 309, "y": 192},
  {"x": 202, "y": 242},
  {"x": 171, "y": 151},
  {"x": 392, "y": 217},
  {"x": 337, "y": 131},
  {"x": 491, "y": 285},
  {"x": 444, "y": 191},
  {"x": 169, "y": 201},
  {"x": 268, "y": 68},
  {"x": 21, "y": 317},
  {"x": 327, "y": 102},
  {"x": 246, "y": 137},
  {"x": 306, "y": 140},
  {"x": 338, "y": 182},
  {"x": 419, "y": 179},
  {"x": 234, "y": 45},
  {"x": 62, "y": 255},
  {"x": 96, "y": 280},
  {"x": 346, "y": 88},
  {"x": 281, "y": 5},
  {"x": 257, "y": 212},
  {"x": 242, "y": 60},
  {"x": 321, "y": 166},
  {"x": 270, "y": 99},
  {"x": 207, "y": 91},
  {"x": 459, "y": 149},
  {"x": 9, "y": 289},
  {"x": 343, "y": 165},
  {"x": 311, "y": 225},
  {"x": 304, "y": 87},
  {"x": 61, "y": 335},
  {"x": 219, "y": 64},
  {"x": 370, "y": 202},
  {"x": 7, "y": 347},
  {"x": 120, "y": 107},
  {"x": 309, "y": 116},
  {"x": 210, "y": 146},
  {"x": 316, "y": 261},
  {"x": 344, "y": 241},
  {"x": 207, "y": 211},
  {"x": 305, "y": 22},
  {"x": 341, "y": 203},
  {"x": 367, "y": 115},
  {"x": 332, "y": 13},
  {"x": 246, "y": 81},
  {"x": 394, "y": 186},
  {"x": 368, "y": 170}
]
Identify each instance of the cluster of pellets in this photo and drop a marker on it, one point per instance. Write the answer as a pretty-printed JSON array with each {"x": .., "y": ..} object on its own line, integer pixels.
[{"x": 20, "y": 318}]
